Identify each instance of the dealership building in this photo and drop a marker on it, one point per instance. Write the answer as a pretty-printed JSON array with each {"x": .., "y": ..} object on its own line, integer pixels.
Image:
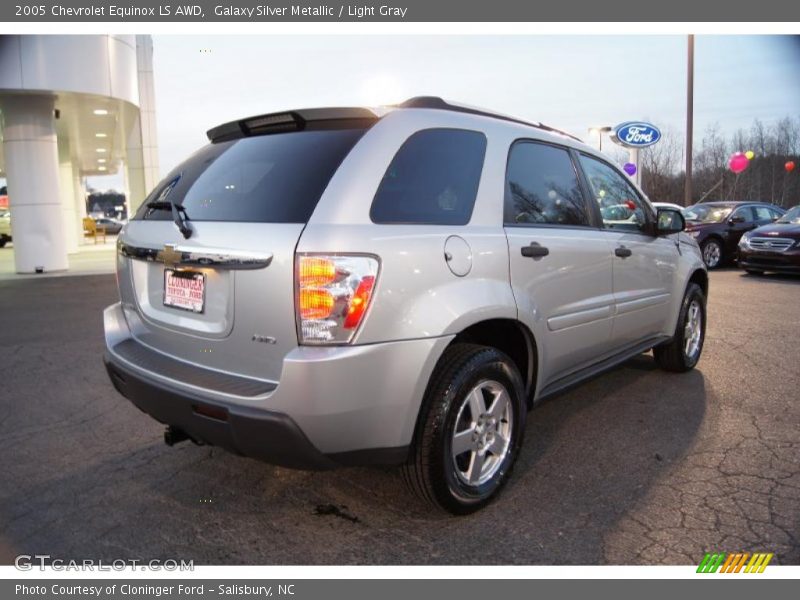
[{"x": 71, "y": 107}]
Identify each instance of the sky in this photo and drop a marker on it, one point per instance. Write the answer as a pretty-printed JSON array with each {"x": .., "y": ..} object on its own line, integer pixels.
[{"x": 569, "y": 82}]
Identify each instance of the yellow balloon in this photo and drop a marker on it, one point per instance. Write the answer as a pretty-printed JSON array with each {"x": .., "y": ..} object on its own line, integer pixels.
[{"x": 749, "y": 154}]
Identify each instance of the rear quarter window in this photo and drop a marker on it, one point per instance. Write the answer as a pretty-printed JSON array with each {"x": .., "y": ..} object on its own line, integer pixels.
[{"x": 433, "y": 179}]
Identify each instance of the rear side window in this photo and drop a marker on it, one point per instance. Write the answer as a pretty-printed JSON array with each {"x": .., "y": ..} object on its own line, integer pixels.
[
  {"x": 542, "y": 187},
  {"x": 276, "y": 178},
  {"x": 433, "y": 179},
  {"x": 765, "y": 213},
  {"x": 745, "y": 213}
]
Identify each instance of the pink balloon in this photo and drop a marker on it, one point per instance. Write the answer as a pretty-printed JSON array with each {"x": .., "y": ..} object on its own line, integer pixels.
[{"x": 738, "y": 162}]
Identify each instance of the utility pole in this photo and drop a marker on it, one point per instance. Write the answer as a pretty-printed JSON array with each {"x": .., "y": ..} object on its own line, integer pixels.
[{"x": 687, "y": 186}]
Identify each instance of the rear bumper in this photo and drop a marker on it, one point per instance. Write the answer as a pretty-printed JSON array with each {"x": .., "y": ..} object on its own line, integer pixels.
[
  {"x": 270, "y": 436},
  {"x": 343, "y": 405}
]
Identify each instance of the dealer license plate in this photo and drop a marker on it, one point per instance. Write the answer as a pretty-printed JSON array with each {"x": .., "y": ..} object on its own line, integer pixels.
[{"x": 185, "y": 290}]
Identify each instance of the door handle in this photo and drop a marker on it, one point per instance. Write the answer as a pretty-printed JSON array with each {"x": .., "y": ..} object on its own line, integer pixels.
[
  {"x": 623, "y": 252},
  {"x": 534, "y": 251}
]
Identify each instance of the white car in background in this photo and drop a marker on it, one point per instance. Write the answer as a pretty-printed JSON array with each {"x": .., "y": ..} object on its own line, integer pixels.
[
  {"x": 5, "y": 228},
  {"x": 669, "y": 205}
]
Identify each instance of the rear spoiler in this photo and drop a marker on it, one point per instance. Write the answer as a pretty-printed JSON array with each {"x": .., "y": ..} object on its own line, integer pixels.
[{"x": 293, "y": 120}]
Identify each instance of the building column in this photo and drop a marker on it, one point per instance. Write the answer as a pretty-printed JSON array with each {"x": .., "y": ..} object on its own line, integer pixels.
[
  {"x": 79, "y": 195},
  {"x": 67, "y": 196},
  {"x": 142, "y": 156},
  {"x": 32, "y": 173},
  {"x": 134, "y": 173}
]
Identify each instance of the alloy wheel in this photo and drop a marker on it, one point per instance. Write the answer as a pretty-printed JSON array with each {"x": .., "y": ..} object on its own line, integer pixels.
[
  {"x": 712, "y": 254},
  {"x": 481, "y": 437},
  {"x": 693, "y": 330}
]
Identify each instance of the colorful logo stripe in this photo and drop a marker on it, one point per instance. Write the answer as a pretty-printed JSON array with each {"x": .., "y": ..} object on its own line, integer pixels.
[{"x": 734, "y": 562}]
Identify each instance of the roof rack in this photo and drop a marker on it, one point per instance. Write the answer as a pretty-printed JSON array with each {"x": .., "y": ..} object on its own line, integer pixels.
[
  {"x": 292, "y": 120},
  {"x": 439, "y": 103}
]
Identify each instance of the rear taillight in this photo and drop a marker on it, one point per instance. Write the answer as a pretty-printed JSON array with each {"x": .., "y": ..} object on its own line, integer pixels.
[
  {"x": 333, "y": 295},
  {"x": 315, "y": 304}
]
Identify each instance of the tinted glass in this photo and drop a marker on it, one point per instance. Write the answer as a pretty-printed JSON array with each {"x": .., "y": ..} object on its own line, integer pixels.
[
  {"x": 432, "y": 179},
  {"x": 793, "y": 216},
  {"x": 764, "y": 213},
  {"x": 776, "y": 214},
  {"x": 276, "y": 178},
  {"x": 707, "y": 213},
  {"x": 620, "y": 205},
  {"x": 745, "y": 212},
  {"x": 542, "y": 187}
]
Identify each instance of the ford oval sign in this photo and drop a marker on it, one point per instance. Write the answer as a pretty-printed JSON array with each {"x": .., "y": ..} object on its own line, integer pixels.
[{"x": 636, "y": 134}]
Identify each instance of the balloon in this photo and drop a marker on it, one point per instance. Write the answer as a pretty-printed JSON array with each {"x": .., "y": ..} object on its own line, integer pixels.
[
  {"x": 749, "y": 154},
  {"x": 738, "y": 162},
  {"x": 789, "y": 166},
  {"x": 630, "y": 169}
]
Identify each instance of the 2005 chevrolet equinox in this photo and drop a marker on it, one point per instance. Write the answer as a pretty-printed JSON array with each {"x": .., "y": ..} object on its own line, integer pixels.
[{"x": 328, "y": 287}]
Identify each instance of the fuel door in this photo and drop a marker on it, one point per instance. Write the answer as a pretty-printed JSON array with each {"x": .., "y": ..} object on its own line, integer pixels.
[{"x": 458, "y": 255}]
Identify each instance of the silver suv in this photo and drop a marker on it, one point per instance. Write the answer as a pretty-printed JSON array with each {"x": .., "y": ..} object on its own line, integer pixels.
[{"x": 330, "y": 286}]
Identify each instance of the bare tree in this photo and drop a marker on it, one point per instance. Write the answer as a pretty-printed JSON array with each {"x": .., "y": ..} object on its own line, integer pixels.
[
  {"x": 765, "y": 178},
  {"x": 659, "y": 164}
]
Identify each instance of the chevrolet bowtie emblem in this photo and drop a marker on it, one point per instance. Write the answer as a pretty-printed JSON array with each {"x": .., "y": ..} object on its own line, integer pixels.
[{"x": 169, "y": 255}]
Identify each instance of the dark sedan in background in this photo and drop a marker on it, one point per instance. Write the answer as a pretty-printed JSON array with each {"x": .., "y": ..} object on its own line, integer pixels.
[
  {"x": 718, "y": 226},
  {"x": 773, "y": 247}
]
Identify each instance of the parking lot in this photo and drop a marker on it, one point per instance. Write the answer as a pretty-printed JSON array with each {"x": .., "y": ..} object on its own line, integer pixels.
[{"x": 637, "y": 466}]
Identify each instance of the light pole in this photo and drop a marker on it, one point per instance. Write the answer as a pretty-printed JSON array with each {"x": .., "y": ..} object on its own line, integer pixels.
[
  {"x": 599, "y": 131},
  {"x": 687, "y": 186}
]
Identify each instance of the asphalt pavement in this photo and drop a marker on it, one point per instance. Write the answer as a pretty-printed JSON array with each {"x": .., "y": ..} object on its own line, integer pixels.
[{"x": 637, "y": 466}]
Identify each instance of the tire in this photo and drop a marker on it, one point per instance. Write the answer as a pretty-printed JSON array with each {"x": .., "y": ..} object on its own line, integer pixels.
[
  {"x": 467, "y": 376},
  {"x": 754, "y": 273},
  {"x": 712, "y": 253},
  {"x": 682, "y": 352},
  {"x": 2, "y": 242}
]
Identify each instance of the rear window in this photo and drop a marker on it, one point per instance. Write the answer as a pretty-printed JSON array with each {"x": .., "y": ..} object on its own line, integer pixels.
[
  {"x": 276, "y": 178},
  {"x": 433, "y": 179}
]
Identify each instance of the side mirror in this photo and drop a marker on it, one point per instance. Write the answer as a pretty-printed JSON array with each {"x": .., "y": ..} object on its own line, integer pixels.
[
  {"x": 736, "y": 219},
  {"x": 669, "y": 221}
]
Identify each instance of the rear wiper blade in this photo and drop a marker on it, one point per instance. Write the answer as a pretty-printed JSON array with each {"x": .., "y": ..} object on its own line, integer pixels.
[{"x": 179, "y": 215}]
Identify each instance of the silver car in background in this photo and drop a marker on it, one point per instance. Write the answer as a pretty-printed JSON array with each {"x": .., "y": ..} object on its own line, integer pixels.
[{"x": 328, "y": 287}]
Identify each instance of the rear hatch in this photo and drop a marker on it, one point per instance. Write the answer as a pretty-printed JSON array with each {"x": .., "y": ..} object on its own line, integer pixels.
[{"x": 223, "y": 298}]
